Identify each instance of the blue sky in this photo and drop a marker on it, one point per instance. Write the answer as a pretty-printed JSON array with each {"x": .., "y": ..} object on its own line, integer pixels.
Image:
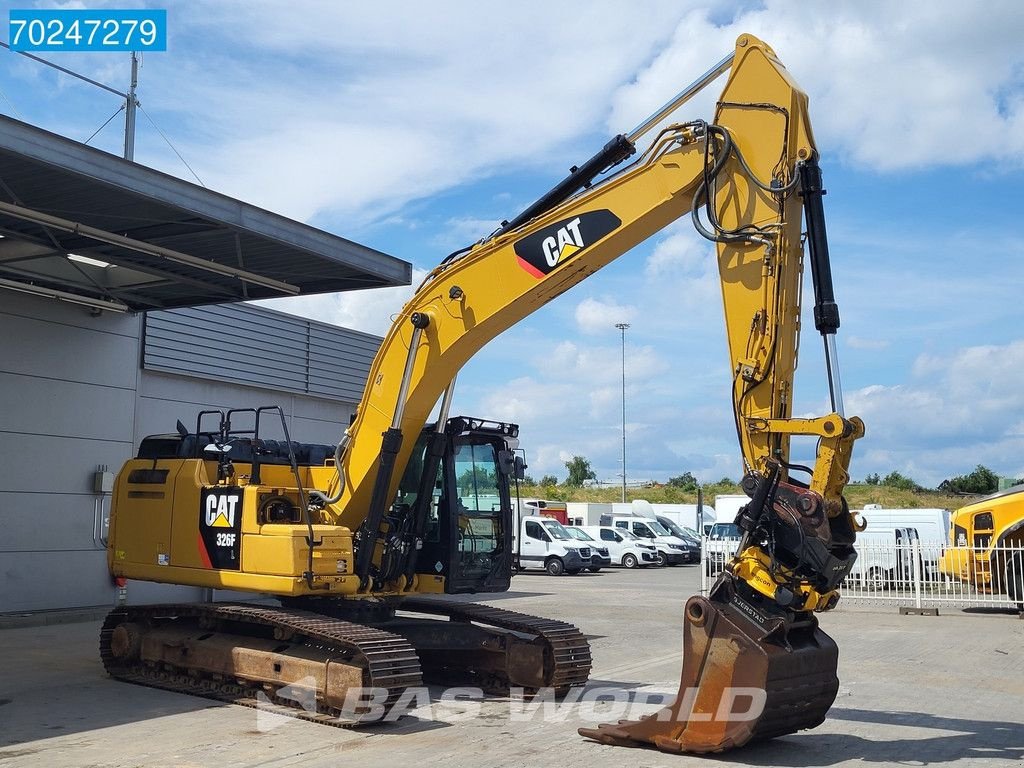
[{"x": 415, "y": 128}]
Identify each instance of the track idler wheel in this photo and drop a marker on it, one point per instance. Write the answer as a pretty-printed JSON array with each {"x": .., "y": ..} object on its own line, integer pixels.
[{"x": 751, "y": 671}]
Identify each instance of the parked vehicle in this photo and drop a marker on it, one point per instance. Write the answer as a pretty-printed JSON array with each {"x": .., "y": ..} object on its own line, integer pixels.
[
  {"x": 671, "y": 550},
  {"x": 600, "y": 558},
  {"x": 986, "y": 544},
  {"x": 883, "y": 558},
  {"x": 684, "y": 515},
  {"x": 624, "y": 548},
  {"x": 728, "y": 505},
  {"x": 931, "y": 525},
  {"x": 688, "y": 535},
  {"x": 723, "y": 539},
  {"x": 556, "y": 509},
  {"x": 544, "y": 543}
]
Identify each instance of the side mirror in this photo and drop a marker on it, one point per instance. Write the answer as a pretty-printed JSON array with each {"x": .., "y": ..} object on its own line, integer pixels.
[
  {"x": 506, "y": 462},
  {"x": 520, "y": 468}
]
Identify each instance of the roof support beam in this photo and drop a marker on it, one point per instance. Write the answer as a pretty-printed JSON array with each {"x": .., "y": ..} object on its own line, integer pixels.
[
  {"x": 73, "y": 298},
  {"x": 46, "y": 220}
]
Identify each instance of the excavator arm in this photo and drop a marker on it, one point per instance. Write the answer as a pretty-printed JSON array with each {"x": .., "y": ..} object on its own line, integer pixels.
[{"x": 744, "y": 179}]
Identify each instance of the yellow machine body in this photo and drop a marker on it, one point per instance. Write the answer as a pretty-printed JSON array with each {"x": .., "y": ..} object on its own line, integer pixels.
[{"x": 987, "y": 543}]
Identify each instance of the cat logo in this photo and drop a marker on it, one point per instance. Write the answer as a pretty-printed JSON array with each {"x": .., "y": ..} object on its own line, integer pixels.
[
  {"x": 543, "y": 251},
  {"x": 563, "y": 244},
  {"x": 220, "y": 527},
  {"x": 220, "y": 510}
]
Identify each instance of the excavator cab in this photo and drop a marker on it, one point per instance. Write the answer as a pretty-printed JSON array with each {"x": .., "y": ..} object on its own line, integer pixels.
[{"x": 462, "y": 495}]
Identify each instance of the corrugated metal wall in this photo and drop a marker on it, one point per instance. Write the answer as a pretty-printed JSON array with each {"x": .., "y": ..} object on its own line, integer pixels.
[{"x": 261, "y": 348}]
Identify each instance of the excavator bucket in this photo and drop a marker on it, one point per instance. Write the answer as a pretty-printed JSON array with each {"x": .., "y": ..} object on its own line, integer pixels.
[{"x": 750, "y": 671}]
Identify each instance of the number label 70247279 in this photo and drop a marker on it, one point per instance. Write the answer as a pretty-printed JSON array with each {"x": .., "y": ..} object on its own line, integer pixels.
[{"x": 88, "y": 30}]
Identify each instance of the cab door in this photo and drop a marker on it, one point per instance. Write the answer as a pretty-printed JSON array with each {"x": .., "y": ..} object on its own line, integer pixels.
[
  {"x": 534, "y": 545},
  {"x": 613, "y": 541}
]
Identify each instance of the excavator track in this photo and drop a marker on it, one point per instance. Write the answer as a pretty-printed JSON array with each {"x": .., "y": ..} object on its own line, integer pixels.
[
  {"x": 566, "y": 658},
  {"x": 362, "y": 657}
]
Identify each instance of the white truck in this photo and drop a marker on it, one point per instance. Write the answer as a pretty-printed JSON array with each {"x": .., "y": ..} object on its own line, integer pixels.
[
  {"x": 542, "y": 543},
  {"x": 624, "y": 548}
]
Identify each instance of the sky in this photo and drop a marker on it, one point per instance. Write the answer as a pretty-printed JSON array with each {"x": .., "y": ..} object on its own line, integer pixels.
[{"x": 415, "y": 128}]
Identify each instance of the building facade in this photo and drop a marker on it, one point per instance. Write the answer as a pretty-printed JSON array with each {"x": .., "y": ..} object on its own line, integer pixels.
[{"x": 79, "y": 389}]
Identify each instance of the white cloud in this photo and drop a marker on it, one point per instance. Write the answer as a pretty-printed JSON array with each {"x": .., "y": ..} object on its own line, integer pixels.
[
  {"x": 601, "y": 315},
  {"x": 891, "y": 84},
  {"x": 859, "y": 342},
  {"x": 369, "y": 311},
  {"x": 351, "y": 111},
  {"x": 956, "y": 411},
  {"x": 681, "y": 252}
]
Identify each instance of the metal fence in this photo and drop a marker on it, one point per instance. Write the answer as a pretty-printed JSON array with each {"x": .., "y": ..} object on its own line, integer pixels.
[{"x": 914, "y": 574}]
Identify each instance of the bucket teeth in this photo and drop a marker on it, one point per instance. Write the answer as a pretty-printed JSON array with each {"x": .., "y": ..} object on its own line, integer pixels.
[{"x": 750, "y": 671}]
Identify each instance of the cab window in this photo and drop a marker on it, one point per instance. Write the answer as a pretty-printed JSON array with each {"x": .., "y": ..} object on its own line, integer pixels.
[
  {"x": 642, "y": 530},
  {"x": 535, "y": 531}
]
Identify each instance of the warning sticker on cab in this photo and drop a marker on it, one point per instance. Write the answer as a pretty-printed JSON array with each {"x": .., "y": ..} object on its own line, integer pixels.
[{"x": 220, "y": 526}]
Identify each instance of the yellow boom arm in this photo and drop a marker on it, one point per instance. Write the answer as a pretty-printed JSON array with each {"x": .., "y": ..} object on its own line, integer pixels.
[{"x": 749, "y": 160}]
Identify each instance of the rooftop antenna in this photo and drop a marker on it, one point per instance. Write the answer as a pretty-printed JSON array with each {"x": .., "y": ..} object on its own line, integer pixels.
[
  {"x": 130, "y": 102},
  {"x": 129, "y": 111}
]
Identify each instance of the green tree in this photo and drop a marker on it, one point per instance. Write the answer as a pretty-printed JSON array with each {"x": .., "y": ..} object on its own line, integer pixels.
[
  {"x": 549, "y": 480},
  {"x": 895, "y": 480},
  {"x": 579, "y": 472},
  {"x": 981, "y": 480},
  {"x": 527, "y": 480},
  {"x": 873, "y": 479},
  {"x": 477, "y": 479},
  {"x": 685, "y": 481}
]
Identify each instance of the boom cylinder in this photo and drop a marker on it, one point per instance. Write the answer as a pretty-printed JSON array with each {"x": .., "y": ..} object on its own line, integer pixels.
[{"x": 826, "y": 311}]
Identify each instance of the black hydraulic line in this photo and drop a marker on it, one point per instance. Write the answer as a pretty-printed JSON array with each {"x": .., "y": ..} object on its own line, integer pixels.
[
  {"x": 581, "y": 177},
  {"x": 369, "y": 532},
  {"x": 826, "y": 311},
  {"x": 311, "y": 540},
  {"x": 424, "y": 496}
]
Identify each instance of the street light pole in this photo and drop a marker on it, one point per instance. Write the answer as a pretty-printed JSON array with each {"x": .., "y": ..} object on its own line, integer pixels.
[{"x": 622, "y": 327}]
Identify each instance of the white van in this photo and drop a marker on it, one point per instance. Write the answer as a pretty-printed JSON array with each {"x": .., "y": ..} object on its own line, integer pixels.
[
  {"x": 671, "y": 550},
  {"x": 600, "y": 557},
  {"x": 624, "y": 548},
  {"x": 932, "y": 525},
  {"x": 883, "y": 558},
  {"x": 543, "y": 543}
]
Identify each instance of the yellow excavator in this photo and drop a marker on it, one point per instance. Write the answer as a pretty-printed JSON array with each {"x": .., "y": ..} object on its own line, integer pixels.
[{"x": 360, "y": 542}]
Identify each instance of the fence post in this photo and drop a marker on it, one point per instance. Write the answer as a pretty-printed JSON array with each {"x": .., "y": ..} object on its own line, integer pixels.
[
  {"x": 915, "y": 566},
  {"x": 704, "y": 566}
]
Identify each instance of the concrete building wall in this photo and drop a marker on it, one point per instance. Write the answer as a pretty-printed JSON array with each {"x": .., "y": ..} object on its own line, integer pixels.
[{"x": 74, "y": 396}]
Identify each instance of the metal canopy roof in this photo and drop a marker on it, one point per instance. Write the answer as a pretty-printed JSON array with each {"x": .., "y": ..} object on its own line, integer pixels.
[{"x": 83, "y": 225}]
